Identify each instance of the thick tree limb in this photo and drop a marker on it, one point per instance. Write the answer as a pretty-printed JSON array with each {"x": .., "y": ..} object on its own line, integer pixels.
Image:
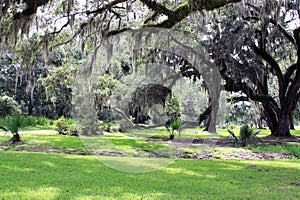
[
  {"x": 186, "y": 8},
  {"x": 295, "y": 84},
  {"x": 157, "y": 7},
  {"x": 289, "y": 72},
  {"x": 275, "y": 68},
  {"x": 241, "y": 86}
]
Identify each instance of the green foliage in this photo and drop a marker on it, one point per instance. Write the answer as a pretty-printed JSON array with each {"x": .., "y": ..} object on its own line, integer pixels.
[
  {"x": 175, "y": 125},
  {"x": 8, "y": 106},
  {"x": 105, "y": 115},
  {"x": 13, "y": 123},
  {"x": 41, "y": 121},
  {"x": 104, "y": 88},
  {"x": 173, "y": 107},
  {"x": 106, "y": 126},
  {"x": 62, "y": 126},
  {"x": 173, "y": 111},
  {"x": 248, "y": 135}
]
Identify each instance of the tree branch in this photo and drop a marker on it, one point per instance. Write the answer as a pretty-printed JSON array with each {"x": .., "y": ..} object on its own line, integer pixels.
[
  {"x": 276, "y": 70},
  {"x": 284, "y": 32},
  {"x": 240, "y": 86},
  {"x": 157, "y": 7},
  {"x": 186, "y": 8},
  {"x": 105, "y": 7}
]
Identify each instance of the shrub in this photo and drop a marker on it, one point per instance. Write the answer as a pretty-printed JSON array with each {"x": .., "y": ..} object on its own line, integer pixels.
[
  {"x": 8, "y": 106},
  {"x": 106, "y": 126},
  {"x": 42, "y": 121},
  {"x": 61, "y": 126}
]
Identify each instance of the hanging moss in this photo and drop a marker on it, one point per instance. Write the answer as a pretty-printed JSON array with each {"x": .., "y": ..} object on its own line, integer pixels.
[{"x": 146, "y": 96}]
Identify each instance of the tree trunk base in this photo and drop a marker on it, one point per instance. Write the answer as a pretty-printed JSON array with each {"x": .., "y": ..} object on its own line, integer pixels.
[
  {"x": 280, "y": 133},
  {"x": 16, "y": 138}
]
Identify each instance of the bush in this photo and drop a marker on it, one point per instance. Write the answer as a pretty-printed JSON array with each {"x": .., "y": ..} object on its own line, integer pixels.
[
  {"x": 61, "y": 126},
  {"x": 42, "y": 121},
  {"x": 8, "y": 106},
  {"x": 106, "y": 126},
  {"x": 66, "y": 126}
]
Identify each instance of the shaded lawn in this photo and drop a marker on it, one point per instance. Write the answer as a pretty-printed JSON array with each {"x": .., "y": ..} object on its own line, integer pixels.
[{"x": 56, "y": 176}]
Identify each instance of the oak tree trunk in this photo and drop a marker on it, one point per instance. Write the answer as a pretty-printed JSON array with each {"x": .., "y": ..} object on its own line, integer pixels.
[{"x": 283, "y": 127}]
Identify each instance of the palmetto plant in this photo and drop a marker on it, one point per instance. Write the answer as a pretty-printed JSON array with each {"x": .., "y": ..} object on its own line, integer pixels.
[
  {"x": 14, "y": 123},
  {"x": 248, "y": 135}
]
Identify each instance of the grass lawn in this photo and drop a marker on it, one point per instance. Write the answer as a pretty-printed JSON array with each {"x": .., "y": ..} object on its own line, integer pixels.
[{"x": 26, "y": 175}]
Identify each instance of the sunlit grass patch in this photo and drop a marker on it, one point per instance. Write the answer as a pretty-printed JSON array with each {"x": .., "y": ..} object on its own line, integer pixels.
[{"x": 58, "y": 176}]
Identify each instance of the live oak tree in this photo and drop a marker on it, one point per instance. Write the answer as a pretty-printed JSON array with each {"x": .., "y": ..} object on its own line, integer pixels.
[
  {"x": 92, "y": 19},
  {"x": 64, "y": 22},
  {"x": 257, "y": 48}
]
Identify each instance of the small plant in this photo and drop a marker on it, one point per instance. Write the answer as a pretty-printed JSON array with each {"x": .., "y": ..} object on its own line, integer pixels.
[
  {"x": 248, "y": 135},
  {"x": 175, "y": 125},
  {"x": 66, "y": 126},
  {"x": 73, "y": 131},
  {"x": 61, "y": 126},
  {"x": 14, "y": 123}
]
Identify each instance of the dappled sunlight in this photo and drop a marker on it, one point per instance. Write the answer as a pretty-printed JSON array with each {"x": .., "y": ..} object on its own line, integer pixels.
[
  {"x": 173, "y": 170},
  {"x": 288, "y": 164},
  {"x": 135, "y": 164},
  {"x": 32, "y": 193}
]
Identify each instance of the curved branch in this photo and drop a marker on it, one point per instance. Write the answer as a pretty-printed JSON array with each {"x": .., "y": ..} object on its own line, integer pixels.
[{"x": 276, "y": 69}]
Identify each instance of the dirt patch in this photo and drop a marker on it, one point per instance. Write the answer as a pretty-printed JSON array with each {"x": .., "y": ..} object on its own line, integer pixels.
[
  {"x": 236, "y": 154},
  {"x": 209, "y": 148}
]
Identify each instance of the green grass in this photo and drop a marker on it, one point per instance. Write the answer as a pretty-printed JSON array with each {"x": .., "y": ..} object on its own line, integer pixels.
[
  {"x": 47, "y": 140},
  {"x": 293, "y": 149},
  {"x": 57, "y": 176},
  {"x": 28, "y": 175}
]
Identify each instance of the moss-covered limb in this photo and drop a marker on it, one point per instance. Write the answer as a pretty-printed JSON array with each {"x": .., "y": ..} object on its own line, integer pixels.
[
  {"x": 157, "y": 7},
  {"x": 187, "y": 7},
  {"x": 117, "y": 31},
  {"x": 105, "y": 7},
  {"x": 209, "y": 4}
]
